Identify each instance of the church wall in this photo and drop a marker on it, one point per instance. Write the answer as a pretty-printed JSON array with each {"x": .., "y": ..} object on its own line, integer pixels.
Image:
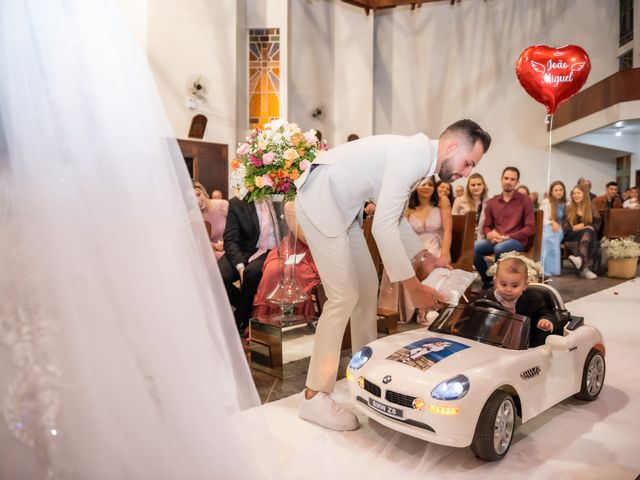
[
  {"x": 439, "y": 63},
  {"x": 196, "y": 37}
]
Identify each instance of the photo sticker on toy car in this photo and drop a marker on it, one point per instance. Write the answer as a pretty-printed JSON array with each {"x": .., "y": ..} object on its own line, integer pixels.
[{"x": 424, "y": 353}]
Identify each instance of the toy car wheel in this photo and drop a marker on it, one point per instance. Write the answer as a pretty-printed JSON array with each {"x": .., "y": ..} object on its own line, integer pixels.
[
  {"x": 592, "y": 376},
  {"x": 494, "y": 431}
]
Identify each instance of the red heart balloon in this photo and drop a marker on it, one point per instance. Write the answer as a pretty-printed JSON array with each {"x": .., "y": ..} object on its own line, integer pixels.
[{"x": 553, "y": 75}]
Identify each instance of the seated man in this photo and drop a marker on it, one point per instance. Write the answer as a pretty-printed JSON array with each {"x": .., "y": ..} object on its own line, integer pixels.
[
  {"x": 509, "y": 221},
  {"x": 511, "y": 292},
  {"x": 248, "y": 236},
  {"x": 609, "y": 199}
]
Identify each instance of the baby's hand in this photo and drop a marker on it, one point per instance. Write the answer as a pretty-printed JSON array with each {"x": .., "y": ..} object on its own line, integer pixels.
[{"x": 544, "y": 324}]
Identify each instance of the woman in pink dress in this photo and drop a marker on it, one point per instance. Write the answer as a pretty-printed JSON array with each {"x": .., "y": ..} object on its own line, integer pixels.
[
  {"x": 214, "y": 212},
  {"x": 429, "y": 214},
  {"x": 305, "y": 271}
]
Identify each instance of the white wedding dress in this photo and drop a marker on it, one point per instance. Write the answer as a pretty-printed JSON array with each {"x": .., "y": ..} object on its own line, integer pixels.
[{"x": 119, "y": 357}]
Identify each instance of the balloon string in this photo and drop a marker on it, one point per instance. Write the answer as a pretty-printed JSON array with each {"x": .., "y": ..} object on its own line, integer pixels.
[{"x": 549, "y": 121}]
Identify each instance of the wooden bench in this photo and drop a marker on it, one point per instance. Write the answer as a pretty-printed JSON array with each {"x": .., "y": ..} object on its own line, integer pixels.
[{"x": 463, "y": 236}]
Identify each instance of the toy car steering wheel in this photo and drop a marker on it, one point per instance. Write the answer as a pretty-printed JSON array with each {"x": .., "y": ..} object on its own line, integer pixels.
[{"x": 488, "y": 303}]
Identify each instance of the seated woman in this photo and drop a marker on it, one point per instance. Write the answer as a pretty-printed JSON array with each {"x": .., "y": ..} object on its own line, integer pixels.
[
  {"x": 214, "y": 211},
  {"x": 553, "y": 208},
  {"x": 444, "y": 190},
  {"x": 581, "y": 225},
  {"x": 305, "y": 270},
  {"x": 429, "y": 214},
  {"x": 473, "y": 200}
]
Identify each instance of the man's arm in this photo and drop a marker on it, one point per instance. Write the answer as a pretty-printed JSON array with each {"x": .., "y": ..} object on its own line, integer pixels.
[
  {"x": 529, "y": 227},
  {"x": 232, "y": 234}
]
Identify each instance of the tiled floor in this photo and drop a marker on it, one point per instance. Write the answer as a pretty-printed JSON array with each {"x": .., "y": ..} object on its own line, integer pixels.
[{"x": 271, "y": 388}]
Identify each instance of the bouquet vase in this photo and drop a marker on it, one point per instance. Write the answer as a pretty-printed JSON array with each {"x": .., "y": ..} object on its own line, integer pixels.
[{"x": 287, "y": 294}]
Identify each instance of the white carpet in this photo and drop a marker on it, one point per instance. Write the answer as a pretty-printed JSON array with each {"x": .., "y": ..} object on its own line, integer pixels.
[{"x": 573, "y": 440}]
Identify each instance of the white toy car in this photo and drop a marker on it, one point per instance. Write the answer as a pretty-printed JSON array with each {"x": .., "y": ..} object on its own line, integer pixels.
[{"x": 463, "y": 380}]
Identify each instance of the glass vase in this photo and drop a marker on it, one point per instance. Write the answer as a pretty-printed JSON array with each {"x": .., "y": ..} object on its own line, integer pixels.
[{"x": 287, "y": 294}]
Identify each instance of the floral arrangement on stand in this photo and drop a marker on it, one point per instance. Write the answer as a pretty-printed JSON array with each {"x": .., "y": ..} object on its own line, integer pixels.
[
  {"x": 534, "y": 269},
  {"x": 621, "y": 247},
  {"x": 271, "y": 159}
]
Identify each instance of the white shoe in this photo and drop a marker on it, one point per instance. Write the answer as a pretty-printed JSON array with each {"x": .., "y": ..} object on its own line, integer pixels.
[
  {"x": 588, "y": 274},
  {"x": 324, "y": 411},
  {"x": 577, "y": 261}
]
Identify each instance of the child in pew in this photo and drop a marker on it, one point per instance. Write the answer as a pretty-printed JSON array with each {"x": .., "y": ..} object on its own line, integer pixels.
[{"x": 511, "y": 281}]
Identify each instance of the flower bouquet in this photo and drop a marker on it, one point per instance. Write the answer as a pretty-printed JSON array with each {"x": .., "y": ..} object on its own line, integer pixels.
[
  {"x": 271, "y": 159},
  {"x": 534, "y": 269},
  {"x": 622, "y": 256}
]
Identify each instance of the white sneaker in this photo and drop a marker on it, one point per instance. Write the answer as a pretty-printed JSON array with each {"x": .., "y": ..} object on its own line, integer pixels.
[
  {"x": 577, "y": 261},
  {"x": 588, "y": 274},
  {"x": 324, "y": 411}
]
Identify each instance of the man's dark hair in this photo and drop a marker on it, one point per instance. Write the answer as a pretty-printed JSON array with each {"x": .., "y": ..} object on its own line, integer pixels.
[
  {"x": 352, "y": 137},
  {"x": 611, "y": 184},
  {"x": 513, "y": 169},
  {"x": 471, "y": 131}
]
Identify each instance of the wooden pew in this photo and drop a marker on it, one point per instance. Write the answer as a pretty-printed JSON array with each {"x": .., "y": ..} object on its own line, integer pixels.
[
  {"x": 463, "y": 236},
  {"x": 621, "y": 222},
  {"x": 533, "y": 250}
]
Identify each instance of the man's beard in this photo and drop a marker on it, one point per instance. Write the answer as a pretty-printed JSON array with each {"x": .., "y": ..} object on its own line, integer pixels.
[{"x": 446, "y": 172}]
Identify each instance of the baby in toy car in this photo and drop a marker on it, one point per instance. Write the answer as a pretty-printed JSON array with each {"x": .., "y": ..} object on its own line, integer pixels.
[{"x": 511, "y": 292}]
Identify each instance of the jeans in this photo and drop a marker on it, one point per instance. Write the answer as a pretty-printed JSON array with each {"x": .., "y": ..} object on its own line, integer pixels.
[{"x": 482, "y": 248}]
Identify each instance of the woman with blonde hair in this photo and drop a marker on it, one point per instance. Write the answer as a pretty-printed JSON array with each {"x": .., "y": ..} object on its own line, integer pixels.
[
  {"x": 473, "y": 200},
  {"x": 580, "y": 232},
  {"x": 553, "y": 208},
  {"x": 214, "y": 212}
]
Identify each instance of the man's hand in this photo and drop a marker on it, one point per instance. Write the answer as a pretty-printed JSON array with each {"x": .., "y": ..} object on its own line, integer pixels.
[
  {"x": 494, "y": 237},
  {"x": 423, "y": 297},
  {"x": 425, "y": 263},
  {"x": 241, "y": 272}
]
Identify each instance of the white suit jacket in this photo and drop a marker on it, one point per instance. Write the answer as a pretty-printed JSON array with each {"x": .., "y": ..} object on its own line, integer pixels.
[{"x": 384, "y": 168}]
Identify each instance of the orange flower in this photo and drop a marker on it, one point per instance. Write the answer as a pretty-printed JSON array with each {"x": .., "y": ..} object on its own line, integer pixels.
[
  {"x": 295, "y": 174},
  {"x": 295, "y": 139},
  {"x": 287, "y": 164},
  {"x": 301, "y": 152},
  {"x": 235, "y": 163}
]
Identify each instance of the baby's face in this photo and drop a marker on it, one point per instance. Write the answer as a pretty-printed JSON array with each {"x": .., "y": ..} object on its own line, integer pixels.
[{"x": 510, "y": 285}]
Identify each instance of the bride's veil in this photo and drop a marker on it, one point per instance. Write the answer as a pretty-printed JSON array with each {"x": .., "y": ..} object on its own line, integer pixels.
[{"x": 119, "y": 357}]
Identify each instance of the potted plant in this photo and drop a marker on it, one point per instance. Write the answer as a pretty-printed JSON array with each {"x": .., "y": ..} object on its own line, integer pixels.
[{"x": 622, "y": 256}]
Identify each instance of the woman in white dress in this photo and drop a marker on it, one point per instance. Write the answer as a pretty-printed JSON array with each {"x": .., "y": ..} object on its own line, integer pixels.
[{"x": 118, "y": 352}]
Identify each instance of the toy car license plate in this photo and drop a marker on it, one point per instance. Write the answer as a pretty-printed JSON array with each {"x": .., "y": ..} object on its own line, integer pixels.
[{"x": 386, "y": 409}]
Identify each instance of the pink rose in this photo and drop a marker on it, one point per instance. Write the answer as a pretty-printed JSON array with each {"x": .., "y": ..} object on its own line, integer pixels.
[
  {"x": 268, "y": 182},
  {"x": 310, "y": 137},
  {"x": 255, "y": 160},
  {"x": 305, "y": 164},
  {"x": 268, "y": 158},
  {"x": 243, "y": 149}
]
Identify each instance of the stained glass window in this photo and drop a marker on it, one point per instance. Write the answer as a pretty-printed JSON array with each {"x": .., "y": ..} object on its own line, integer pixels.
[{"x": 264, "y": 75}]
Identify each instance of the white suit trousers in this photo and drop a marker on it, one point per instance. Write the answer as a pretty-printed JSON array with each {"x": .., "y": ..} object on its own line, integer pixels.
[{"x": 350, "y": 282}]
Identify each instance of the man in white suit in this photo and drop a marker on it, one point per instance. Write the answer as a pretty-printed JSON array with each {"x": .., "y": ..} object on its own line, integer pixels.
[{"x": 331, "y": 195}]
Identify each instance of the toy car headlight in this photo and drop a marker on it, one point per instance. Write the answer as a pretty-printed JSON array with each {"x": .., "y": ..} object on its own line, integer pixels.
[
  {"x": 359, "y": 358},
  {"x": 451, "y": 389}
]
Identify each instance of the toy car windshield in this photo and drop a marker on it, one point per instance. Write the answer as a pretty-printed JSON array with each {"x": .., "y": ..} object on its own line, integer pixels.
[{"x": 488, "y": 325}]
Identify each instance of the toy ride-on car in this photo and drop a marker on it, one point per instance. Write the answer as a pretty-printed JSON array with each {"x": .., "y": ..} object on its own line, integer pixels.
[{"x": 463, "y": 381}]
